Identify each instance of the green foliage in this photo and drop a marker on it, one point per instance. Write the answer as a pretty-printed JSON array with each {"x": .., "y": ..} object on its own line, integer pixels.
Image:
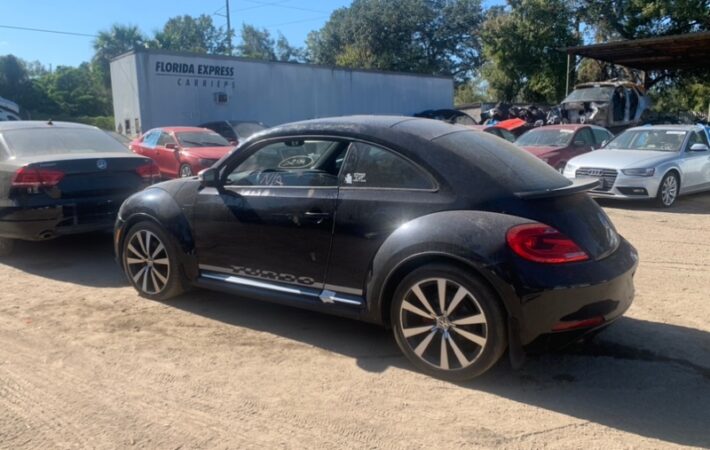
[
  {"x": 472, "y": 91},
  {"x": 690, "y": 93},
  {"x": 425, "y": 36},
  {"x": 632, "y": 19},
  {"x": 521, "y": 45},
  {"x": 191, "y": 34},
  {"x": 257, "y": 44},
  {"x": 109, "y": 44}
]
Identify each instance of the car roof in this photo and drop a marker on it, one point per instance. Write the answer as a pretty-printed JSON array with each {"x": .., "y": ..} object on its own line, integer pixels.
[
  {"x": 566, "y": 126},
  {"x": 28, "y": 124},
  {"x": 669, "y": 127},
  {"x": 182, "y": 129},
  {"x": 375, "y": 126}
]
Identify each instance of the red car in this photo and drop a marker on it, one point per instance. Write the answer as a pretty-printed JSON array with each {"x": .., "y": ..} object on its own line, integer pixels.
[
  {"x": 181, "y": 151},
  {"x": 497, "y": 131},
  {"x": 557, "y": 144}
]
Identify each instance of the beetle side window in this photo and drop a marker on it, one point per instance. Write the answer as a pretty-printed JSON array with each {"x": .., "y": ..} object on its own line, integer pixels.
[
  {"x": 368, "y": 166},
  {"x": 298, "y": 163}
]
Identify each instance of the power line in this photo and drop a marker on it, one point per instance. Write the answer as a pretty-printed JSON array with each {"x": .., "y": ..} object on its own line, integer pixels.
[
  {"x": 42, "y": 30},
  {"x": 262, "y": 5}
]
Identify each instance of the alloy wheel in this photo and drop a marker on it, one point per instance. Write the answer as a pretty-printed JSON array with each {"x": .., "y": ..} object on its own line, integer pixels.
[
  {"x": 669, "y": 190},
  {"x": 147, "y": 262},
  {"x": 443, "y": 324}
]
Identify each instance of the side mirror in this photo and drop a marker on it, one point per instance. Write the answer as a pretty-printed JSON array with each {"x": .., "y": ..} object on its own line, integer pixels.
[
  {"x": 209, "y": 177},
  {"x": 699, "y": 148},
  {"x": 171, "y": 146},
  {"x": 233, "y": 142}
]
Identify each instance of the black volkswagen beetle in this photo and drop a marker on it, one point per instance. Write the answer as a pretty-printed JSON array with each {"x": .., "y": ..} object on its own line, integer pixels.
[{"x": 461, "y": 242}]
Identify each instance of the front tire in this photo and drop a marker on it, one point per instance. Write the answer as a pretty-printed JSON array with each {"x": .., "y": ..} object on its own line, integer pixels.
[
  {"x": 668, "y": 190},
  {"x": 150, "y": 262},
  {"x": 6, "y": 246},
  {"x": 185, "y": 171},
  {"x": 448, "y": 323}
]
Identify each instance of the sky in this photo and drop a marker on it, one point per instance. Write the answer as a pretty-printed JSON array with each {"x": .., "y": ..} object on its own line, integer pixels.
[{"x": 294, "y": 18}]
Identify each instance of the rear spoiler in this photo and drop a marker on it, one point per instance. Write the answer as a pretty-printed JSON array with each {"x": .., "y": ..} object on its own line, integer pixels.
[{"x": 577, "y": 185}]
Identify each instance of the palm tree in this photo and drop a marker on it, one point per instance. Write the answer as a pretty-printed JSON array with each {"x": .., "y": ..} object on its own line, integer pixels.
[{"x": 111, "y": 43}]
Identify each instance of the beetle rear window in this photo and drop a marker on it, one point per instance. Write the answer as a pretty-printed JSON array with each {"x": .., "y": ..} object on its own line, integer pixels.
[{"x": 506, "y": 164}]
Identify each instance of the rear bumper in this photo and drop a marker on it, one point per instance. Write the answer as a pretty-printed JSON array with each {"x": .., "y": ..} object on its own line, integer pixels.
[
  {"x": 41, "y": 223},
  {"x": 579, "y": 298}
]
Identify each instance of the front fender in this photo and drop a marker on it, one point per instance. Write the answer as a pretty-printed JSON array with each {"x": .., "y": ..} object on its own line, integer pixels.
[
  {"x": 472, "y": 238},
  {"x": 157, "y": 205}
]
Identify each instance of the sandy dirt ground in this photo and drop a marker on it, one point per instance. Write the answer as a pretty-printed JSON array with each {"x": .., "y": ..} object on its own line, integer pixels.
[{"x": 86, "y": 363}]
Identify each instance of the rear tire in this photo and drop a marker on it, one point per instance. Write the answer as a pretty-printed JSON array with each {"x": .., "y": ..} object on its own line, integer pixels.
[
  {"x": 449, "y": 324},
  {"x": 150, "y": 262},
  {"x": 668, "y": 190},
  {"x": 6, "y": 246}
]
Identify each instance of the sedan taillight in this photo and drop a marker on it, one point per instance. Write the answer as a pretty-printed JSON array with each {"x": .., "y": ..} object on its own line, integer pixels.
[
  {"x": 150, "y": 172},
  {"x": 543, "y": 244},
  {"x": 31, "y": 177}
]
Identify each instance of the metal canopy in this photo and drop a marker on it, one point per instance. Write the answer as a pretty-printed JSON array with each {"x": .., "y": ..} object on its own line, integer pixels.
[{"x": 683, "y": 51}]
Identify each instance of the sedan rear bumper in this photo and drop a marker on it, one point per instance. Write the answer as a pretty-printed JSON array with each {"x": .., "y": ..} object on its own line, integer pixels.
[{"x": 42, "y": 223}]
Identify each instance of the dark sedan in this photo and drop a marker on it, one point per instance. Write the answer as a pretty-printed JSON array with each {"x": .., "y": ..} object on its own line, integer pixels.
[
  {"x": 463, "y": 243},
  {"x": 235, "y": 131},
  {"x": 61, "y": 178}
]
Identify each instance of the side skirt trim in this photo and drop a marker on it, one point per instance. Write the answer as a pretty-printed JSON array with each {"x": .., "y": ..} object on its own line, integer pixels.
[{"x": 325, "y": 296}]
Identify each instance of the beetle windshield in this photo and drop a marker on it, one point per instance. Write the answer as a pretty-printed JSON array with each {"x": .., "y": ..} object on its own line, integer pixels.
[
  {"x": 651, "y": 139},
  {"x": 54, "y": 141},
  {"x": 545, "y": 138}
]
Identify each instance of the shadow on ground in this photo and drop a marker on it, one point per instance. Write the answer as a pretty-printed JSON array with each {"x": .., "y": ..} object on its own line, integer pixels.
[
  {"x": 630, "y": 378},
  {"x": 85, "y": 259},
  {"x": 688, "y": 204}
]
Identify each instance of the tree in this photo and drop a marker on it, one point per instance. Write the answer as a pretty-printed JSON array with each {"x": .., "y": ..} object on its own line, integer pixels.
[
  {"x": 191, "y": 34},
  {"x": 522, "y": 46},
  {"x": 426, "y": 36},
  {"x": 75, "y": 92},
  {"x": 111, "y": 43},
  {"x": 257, "y": 44},
  {"x": 472, "y": 91},
  {"x": 633, "y": 19}
]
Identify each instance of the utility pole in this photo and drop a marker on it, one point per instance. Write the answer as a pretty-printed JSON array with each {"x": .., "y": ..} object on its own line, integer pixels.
[
  {"x": 229, "y": 25},
  {"x": 229, "y": 31}
]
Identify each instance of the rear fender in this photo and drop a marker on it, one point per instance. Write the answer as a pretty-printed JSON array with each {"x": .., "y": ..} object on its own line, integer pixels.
[
  {"x": 158, "y": 206},
  {"x": 474, "y": 239}
]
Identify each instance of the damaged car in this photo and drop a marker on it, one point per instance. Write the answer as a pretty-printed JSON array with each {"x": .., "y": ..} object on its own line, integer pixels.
[{"x": 615, "y": 105}]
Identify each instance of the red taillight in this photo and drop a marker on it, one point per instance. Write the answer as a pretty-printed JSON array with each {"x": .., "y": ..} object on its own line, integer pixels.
[
  {"x": 150, "y": 172},
  {"x": 543, "y": 244},
  {"x": 31, "y": 177}
]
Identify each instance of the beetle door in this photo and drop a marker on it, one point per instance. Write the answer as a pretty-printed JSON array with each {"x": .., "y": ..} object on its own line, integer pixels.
[{"x": 272, "y": 220}]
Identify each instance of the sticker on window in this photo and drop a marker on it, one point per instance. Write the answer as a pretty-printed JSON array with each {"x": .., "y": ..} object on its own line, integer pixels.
[
  {"x": 675, "y": 132},
  {"x": 566, "y": 131}
]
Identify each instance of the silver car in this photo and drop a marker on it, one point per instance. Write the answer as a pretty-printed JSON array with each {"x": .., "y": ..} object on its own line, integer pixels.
[{"x": 657, "y": 162}]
